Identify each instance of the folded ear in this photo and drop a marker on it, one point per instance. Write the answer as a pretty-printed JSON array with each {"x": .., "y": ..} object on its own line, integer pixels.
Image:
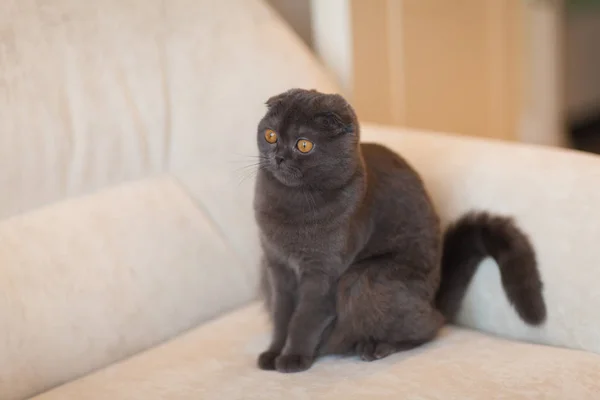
[
  {"x": 274, "y": 100},
  {"x": 338, "y": 115},
  {"x": 281, "y": 97},
  {"x": 335, "y": 122},
  {"x": 330, "y": 119}
]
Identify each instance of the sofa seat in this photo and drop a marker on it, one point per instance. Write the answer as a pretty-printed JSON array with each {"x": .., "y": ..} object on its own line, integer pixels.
[{"x": 217, "y": 361}]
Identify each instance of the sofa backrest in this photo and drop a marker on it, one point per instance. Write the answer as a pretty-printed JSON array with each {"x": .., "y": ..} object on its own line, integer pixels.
[{"x": 125, "y": 130}]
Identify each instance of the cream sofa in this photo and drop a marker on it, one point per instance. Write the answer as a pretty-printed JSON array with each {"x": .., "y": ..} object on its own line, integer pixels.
[{"x": 127, "y": 242}]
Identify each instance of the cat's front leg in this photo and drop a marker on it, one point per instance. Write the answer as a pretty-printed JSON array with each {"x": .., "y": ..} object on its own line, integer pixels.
[
  {"x": 282, "y": 288},
  {"x": 314, "y": 312}
]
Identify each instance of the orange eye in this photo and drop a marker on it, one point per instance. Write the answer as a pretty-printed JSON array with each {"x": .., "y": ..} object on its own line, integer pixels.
[
  {"x": 304, "y": 145},
  {"x": 270, "y": 136}
]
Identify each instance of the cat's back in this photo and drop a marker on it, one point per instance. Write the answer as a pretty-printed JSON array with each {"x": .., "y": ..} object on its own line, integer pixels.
[
  {"x": 399, "y": 203},
  {"x": 381, "y": 163},
  {"x": 391, "y": 179}
]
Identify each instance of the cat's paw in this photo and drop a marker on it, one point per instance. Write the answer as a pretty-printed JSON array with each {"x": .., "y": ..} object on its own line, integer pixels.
[
  {"x": 266, "y": 360},
  {"x": 370, "y": 350},
  {"x": 293, "y": 363}
]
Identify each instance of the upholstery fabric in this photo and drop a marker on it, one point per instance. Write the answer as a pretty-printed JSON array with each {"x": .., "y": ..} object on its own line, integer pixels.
[
  {"x": 97, "y": 93},
  {"x": 83, "y": 97},
  {"x": 217, "y": 361},
  {"x": 89, "y": 281}
]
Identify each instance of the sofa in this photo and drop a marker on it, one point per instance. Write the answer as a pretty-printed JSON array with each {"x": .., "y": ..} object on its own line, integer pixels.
[{"x": 128, "y": 247}]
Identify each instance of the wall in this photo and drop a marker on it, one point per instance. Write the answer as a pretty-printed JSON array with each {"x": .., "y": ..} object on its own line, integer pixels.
[
  {"x": 582, "y": 62},
  {"x": 508, "y": 78},
  {"x": 297, "y": 14},
  {"x": 542, "y": 114}
]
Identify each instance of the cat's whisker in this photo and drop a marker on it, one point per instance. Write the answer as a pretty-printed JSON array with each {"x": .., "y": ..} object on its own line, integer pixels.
[
  {"x": 314, "y": 202},
  {"x": 305, "y": 194},
  {"x": 250, "y": 173},
  {"x": 310, "y": 201},
  {"x": 243, "y": 158},
  {"x": 250, "y": 166}
]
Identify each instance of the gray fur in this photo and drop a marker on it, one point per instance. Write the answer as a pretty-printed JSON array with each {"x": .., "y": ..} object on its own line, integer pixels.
[{"x": 352, "y": 245}]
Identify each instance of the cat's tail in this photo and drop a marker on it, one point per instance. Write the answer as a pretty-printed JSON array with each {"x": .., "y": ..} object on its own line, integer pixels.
[{"x": 476, "y": 236}]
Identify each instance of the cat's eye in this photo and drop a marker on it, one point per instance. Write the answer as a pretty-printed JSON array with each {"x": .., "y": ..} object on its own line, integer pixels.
[
  {"x": 270, "y": 136},
  {"x": 304, "y": 145}
]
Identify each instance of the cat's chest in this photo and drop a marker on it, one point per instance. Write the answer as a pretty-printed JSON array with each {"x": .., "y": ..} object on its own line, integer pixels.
[
  {"x": 302, "y": 239},
  {"x": 297, "y": 246}
]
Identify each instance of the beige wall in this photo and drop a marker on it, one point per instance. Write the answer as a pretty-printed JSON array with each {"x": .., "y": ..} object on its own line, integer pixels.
[
  {"x": 541, "y": 118},
  {"x": 297, "y": 14},
  {"x": 332, "y": 39},
  {"x": 582, "y": 63},
  {"x": 479, "y": 67}
]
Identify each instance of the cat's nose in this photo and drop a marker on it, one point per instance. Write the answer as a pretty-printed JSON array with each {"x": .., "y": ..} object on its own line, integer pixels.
[{"x": 279, "y": 159}]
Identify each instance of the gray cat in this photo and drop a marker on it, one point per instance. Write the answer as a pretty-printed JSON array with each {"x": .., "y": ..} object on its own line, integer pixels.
[{"x": 354, "y": 261}]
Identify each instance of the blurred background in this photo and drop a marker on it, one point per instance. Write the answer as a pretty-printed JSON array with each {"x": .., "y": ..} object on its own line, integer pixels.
[{"x": 520, "y": 70}]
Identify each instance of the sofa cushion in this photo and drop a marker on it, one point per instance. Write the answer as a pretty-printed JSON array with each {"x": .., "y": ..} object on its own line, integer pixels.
[
  {"x": 92, "y": 280},
  {"x": 217, "y": 361}
]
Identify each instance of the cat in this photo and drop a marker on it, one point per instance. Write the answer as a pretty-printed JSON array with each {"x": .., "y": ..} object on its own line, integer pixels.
[{"x": 354, "y": 260}]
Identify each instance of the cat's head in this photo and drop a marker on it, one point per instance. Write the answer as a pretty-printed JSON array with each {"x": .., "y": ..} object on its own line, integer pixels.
[{"x": 308, "y": 138}]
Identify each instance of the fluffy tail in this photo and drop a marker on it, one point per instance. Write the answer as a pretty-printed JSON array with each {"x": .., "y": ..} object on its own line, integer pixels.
[{"x": 476, "y": 236}]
